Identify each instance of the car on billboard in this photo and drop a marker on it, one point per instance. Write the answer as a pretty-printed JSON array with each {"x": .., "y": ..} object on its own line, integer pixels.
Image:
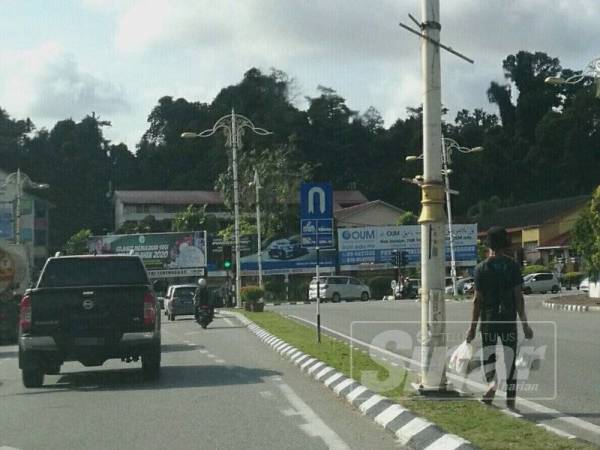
[{"x": 286, "y": 249}]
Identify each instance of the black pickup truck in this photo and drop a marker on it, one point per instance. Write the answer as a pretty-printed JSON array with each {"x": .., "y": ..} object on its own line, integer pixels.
[{"x": 89, "y": 309}]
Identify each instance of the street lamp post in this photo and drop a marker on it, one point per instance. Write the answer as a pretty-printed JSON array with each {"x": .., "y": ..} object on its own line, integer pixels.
[
  {"x": 258, "y": 187},
  {"x": 21, "y": 180},
  {"x": 447, "y": 146},
  {"x": 233, "y": 126}
]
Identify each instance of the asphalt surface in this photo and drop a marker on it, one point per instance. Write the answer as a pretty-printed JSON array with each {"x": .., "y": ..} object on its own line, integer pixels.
[
  {"x": 563, "y": 392},
  {"x": 220, "y": 388}
]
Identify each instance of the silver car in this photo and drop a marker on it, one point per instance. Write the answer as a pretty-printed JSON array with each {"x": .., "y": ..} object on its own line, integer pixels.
[{"x": 180, "y": 300}]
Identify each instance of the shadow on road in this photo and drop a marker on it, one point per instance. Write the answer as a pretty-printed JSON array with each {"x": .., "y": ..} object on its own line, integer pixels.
[
  {"x": 172, "y": 377},
  {"x": 8, "y": 353},
  {"x": 167, "y": 348}
]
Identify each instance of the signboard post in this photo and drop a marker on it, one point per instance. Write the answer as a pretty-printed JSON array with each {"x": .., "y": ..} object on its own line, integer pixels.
[{"x": 316, "y": 227}]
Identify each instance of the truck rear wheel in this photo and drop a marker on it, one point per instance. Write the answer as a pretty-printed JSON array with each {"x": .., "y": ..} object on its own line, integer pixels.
[
  {"x": 32, "y": 378},
  {"x": 151, "y": 365}
]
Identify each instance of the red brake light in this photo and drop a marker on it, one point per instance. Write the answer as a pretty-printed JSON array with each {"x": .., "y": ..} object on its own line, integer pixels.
[
  {"x": 25, "y": 314},
  {"x": 149, "y": 308}
]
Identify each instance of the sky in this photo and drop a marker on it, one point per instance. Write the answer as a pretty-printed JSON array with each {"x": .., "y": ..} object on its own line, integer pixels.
[{"x": 67, "y": 58}]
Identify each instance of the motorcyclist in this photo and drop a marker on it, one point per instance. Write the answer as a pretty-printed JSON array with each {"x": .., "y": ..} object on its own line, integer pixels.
[{"x": 202, "y": 298}]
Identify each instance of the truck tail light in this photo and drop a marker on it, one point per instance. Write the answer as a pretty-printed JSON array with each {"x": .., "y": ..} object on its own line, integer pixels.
[
  {"x": 25, "y": 314},
  {"x": 149, "y": 308}
]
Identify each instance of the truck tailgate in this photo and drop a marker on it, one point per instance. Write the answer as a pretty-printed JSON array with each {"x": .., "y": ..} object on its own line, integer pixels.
[{"x": 94, "y": 311}]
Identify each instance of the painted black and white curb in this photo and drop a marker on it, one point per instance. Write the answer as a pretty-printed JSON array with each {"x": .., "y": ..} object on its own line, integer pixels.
[
  {"x": 411, "y": 430},
  {"x": 574, "y": 308}
]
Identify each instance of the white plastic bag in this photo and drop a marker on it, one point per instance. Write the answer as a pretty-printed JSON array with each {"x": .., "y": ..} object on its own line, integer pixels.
[
  {"x": 459, "y": 361},
  {"x": 530, "y": 357}
]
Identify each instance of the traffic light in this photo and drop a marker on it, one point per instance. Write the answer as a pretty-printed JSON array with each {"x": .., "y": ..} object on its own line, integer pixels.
[
  {"x": 227, "y": 257},
  {"x": 394, "y": 258},
  {"x": 403, "y": 258}
]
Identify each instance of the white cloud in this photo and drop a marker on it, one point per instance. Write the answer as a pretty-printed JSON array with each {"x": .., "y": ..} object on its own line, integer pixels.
[{"x": 47, "y": 83}]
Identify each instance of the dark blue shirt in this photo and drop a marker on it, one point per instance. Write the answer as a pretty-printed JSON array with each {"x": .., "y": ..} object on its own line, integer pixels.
[{"x": 496, "y": 279}]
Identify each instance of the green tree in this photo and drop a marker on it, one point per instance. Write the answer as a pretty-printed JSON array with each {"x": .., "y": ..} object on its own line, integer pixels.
[
  {"x": 407, "y": 218},
  {"x": 194, "y": 218},
  {"x": 586, "y": 235},
  {"x": 77, "y": 244},
  {"x": 246, "y": 229}
]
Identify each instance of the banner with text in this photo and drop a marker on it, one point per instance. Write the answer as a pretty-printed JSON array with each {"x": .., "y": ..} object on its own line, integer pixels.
[
  {"x": 165, "y": 255},
  {"x": 364, "y": 247}
]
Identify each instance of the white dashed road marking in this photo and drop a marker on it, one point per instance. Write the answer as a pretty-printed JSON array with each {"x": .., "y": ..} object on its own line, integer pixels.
[
  {"x": 229, "y": 322},
  {"x": 314, "y": 425}
]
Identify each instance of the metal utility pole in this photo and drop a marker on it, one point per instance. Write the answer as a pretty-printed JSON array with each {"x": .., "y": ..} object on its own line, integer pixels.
[
  {"x": 432, "y": 218},
  {"x": 233, "y": 126},
  {"x": 257, "y": 186}
]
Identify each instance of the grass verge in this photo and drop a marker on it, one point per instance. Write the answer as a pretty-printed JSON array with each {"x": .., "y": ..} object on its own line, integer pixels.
[{"x": 485, "y": 427}]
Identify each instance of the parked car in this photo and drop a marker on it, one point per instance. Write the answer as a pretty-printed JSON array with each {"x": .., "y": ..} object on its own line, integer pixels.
[
  {"x": 89, "y": 309},
  {"x": 541, "y": 282},
  {"x": 337, "y": 288},
  {"x": 286, "y": 249},
  {"x": 584, "y": 285},
  {"x": 181, "y": 300}
]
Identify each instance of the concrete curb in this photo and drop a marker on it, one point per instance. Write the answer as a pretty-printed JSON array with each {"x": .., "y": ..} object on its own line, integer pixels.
[
  {"x": 572, "y": 308},
  {"x": 411, "y": 430}
]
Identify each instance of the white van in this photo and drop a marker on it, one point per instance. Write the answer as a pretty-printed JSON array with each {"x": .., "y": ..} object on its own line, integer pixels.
[
  {"x": 336, "y": 288},
  {"x": 541, "y": 282}
]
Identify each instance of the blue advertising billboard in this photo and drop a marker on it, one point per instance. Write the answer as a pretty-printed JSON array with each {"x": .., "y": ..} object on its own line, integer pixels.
[
  {"x": 359, "y": 247},
  {"x": 280, "y": 256}
]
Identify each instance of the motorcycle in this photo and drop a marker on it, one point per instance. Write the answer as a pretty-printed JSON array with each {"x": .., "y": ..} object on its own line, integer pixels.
[
  {"x": 404, "y": 291},
  {"x": 204, "y": 315}
]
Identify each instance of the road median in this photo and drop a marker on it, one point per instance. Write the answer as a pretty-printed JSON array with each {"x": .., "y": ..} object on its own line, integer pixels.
[{"x": 417, "y": 422}]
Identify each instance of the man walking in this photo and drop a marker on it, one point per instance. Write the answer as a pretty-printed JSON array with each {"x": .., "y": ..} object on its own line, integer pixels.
[{"x": 497, "y": 301}]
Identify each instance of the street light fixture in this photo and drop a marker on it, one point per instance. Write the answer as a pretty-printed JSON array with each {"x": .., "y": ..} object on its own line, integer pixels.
[
  {"x": 21, "y": 180},
  {"x": 448, "y": 145},
  {"x": 591, "y": 70},
  {"x": 233, "y": 126}
]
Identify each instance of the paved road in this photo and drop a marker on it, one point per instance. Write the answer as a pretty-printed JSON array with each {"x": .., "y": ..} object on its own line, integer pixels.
[
  {"x": 577, "y": 346},
  {"x": 220, "y": 389}
]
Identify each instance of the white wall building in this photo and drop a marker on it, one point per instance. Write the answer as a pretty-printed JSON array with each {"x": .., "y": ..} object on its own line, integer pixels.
[{"x": 134, "y": 206}]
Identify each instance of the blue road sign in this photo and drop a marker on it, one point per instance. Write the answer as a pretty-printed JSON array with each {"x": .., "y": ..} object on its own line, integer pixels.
[{"x": 316, "y": 215}]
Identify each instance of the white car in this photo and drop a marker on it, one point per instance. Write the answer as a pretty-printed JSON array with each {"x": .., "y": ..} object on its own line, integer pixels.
[
  {"x": 541, "y": 282},
  {"x": 337, "y": 288},
  {"x": 584, "y": 285}
]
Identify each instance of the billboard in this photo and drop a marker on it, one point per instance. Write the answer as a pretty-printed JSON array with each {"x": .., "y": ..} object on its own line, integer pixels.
[
  {"x": 165, "y": 255},
  {"x": 286, "y": 255},
  {"x": 373, "y": 246}
]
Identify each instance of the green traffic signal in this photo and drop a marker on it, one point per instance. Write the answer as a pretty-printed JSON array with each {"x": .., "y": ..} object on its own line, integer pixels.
[{"x": 227, "y": 264}]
